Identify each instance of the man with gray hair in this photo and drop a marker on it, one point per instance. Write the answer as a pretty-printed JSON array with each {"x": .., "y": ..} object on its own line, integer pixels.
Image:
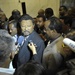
[{"x": 7, "y": 47}]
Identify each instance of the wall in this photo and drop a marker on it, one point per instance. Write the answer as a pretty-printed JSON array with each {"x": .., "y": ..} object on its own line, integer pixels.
[
  {"x": 67, "y": 3},
  {"x": 32, "y": 6}
]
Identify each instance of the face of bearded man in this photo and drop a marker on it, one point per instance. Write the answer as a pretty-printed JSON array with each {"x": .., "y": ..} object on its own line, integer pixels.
[{"x": 27, "y": 27}]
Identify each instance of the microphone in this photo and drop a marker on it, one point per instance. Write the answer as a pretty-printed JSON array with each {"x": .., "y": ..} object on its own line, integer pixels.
[
  {"x": 70, "y": 43},
  {"x": 30, "y": 42}
]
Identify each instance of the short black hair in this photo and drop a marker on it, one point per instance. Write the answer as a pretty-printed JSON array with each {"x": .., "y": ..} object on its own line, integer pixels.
[
  {"x": 15, "y": 15},
  {"x": 42, "y": 16},
  {"x": 14, "y": 22},
  {"x": 26, "y": 17},
  {"x": 49, "y": 12},
  {"x": 31, "y": 68},
  {"x": 16, "y": 12},
  {"x": 64, "y": 7},
  {"x": 55, "y": 24}
]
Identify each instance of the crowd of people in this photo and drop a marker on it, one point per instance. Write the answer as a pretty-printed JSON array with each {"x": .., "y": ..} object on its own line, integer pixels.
[{"x": 35, "y": 45}]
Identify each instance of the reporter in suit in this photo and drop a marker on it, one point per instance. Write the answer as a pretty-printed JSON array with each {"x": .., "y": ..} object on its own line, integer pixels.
[{"x": 55, "y": 54}]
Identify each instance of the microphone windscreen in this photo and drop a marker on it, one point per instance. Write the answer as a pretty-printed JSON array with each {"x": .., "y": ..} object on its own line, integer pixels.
[{"x": 70, "y": 43}]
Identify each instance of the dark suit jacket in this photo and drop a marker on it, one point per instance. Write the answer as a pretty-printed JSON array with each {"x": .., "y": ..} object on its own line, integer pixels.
[{"x": 25, "y": 54}]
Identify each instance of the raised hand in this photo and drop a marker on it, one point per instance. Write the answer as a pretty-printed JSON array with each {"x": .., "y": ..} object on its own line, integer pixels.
[{"x": 32, "y": 48}]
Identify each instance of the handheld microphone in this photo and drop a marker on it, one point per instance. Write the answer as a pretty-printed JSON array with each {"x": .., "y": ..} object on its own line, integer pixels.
[
  {"x": 70, "y": 43},
  {"x": 30, "y": 41}
]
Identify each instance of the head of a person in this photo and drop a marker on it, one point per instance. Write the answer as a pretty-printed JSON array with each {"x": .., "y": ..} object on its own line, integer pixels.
[
  {"x": 16, "y": 14},
  {"x": 41, "y": 12},
  {"x": 6, "y": 47},
  {"x": 53, "y": 27},
  {"x": 67, "y": 23},
  {"x": 40, "y": 20},
  {"x": 27, "y": 24},
  {"x": 62, "y": 10},
  {"x": 3, "y": 21},
  {"x": 71, "y": 11},
  {"x": 49, "y": 12},
  {"x": 31, "y": 68},
  {"x": 12, "y": 27},
  {"x": 3, "y": 17}
]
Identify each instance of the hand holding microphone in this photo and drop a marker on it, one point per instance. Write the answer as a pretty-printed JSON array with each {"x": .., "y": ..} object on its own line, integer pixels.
[{"x": 32, "y": 47}]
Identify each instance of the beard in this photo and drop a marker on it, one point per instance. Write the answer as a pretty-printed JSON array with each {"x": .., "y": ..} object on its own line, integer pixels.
[{"x": 26, "y": 33}]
